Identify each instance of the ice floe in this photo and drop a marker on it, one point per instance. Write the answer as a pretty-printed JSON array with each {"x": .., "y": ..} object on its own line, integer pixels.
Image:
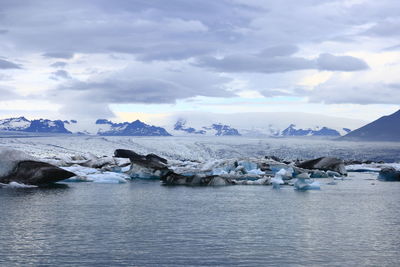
[{"x": 16, "y": 185}]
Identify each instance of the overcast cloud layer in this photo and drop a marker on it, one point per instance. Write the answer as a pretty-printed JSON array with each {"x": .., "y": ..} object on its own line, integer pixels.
[{"x": 83, "y": 56}]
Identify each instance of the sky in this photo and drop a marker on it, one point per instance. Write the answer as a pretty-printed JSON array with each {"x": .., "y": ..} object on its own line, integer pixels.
[{"x": 121, "y": 59}]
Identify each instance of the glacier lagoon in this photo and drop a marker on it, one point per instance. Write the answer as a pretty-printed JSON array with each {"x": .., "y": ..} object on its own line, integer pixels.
[{"x": 142, "y": 223}]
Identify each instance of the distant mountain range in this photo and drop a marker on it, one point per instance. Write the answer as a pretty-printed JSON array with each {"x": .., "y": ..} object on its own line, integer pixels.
[
  {"x": 386, "y": 128},
  {"x": 217, "y": 129},
  {"x": 106, "y": 127},
  {"x": 136, "y": 128},
  {"x": 35, "y": 126},
  {"x": 324, "y": 131}
]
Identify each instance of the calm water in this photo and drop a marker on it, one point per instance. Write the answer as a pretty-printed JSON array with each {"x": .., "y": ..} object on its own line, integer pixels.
[{"x": 354, "y": 223}]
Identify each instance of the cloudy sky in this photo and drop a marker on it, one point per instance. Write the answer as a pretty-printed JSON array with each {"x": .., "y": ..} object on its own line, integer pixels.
[{"x": 116, "y": 59}]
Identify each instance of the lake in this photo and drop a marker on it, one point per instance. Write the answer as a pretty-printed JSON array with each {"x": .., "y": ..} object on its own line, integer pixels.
[{"x": 142, "y": 223}]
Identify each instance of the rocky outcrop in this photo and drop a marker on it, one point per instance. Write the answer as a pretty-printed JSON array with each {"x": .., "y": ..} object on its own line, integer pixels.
[
  {"x": 325, "y": 164},
  {"x": 389, "y": 174}
]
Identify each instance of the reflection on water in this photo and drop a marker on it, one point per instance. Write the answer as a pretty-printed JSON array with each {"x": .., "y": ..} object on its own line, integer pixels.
[{"x": 356, "y": 222}]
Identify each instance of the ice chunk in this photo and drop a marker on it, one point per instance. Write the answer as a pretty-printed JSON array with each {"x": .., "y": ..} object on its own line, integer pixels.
[
  {"x": 248, "y": 166},
  {"x": 218, "y": 181},
  {"x": 80, "y": 170},
  {"x": 10, "y": 158},
  {"x": 108, "y": 178},
  {"x": 262, "y": 181},
  {"x": 16, "y": 185},
  {"x": 218, "y": 171},
  {"x": 304, "y": 183},
  {"x": 256, "y": 172},
  {"x": 277, "y": 180}
]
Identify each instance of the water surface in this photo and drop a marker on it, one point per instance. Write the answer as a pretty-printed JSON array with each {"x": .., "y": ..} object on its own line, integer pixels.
[{"x": 354, "y": 223}]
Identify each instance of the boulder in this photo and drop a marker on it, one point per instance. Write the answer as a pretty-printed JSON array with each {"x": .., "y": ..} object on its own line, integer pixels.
[
  {"x": 325, "y": 164},
  {"x": 389, "y": 174}
]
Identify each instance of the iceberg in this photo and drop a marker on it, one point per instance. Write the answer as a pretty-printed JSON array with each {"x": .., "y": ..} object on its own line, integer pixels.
[
  {"x": 304, "y": 182},
  {"x": 16, "y": 185},
  {"x": 277, "y": 181}
]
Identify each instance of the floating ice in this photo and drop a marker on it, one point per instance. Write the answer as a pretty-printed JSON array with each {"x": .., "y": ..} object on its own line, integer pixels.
[
  {"x": 256, "y": 172},
  {"x": 303, "y": 182},
  {"x": 10, "y": 158},
  {"x": 86, "y": 174},
  {"x": 277, "y": 181},
  {"x": 262, "y": 181},
  {"x": 16, "y": 185},
  {"x": 80, "y": 170},
  {"x": 108, "y": 178}
]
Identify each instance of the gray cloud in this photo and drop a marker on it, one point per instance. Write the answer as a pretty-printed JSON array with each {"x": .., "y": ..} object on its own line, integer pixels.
[
  {"x": 63, "y": 55},
  {"x": 86, "y": 110},
  {"x": 60, "y": 74},
  {"x": 279, "y": 51},
  {"x": 136, "y": 84},
  {"x": 361, "y": 93},
  {"x": 7, "y": 93},
  {"x": 59, "y": 64},
  {"x": 4, "y": 64},
  {"x": 184, "y": 47},
  {"x": 385, "y": 29},
  {"x": 340, "y": 63},
  {"x": 121, "y": 89},
  {"x": 274, "y": 64}
]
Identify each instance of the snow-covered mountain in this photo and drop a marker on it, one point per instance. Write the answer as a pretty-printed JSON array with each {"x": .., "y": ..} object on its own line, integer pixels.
[
  {"x": 255, "y": 124},
  {"x": 217, "y": 129},
  {"x": 318, "y": 131},
  {"x": 39, "y": 126},
  {"x": 47, "y": 126},
  {"x": 14, "y": 124},
  {"x": 196, "y": 124},
  {"x": 136, "y": 128}
]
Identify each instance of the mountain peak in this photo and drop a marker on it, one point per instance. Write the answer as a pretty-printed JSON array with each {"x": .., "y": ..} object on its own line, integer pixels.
[
  {"x": 135, "y": 128},
  {"x": 386, "y": 128}
]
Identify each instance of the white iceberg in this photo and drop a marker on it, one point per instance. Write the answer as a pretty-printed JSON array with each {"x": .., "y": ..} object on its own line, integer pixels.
[
  {"x": 277, "y": 181},
  {"x": 16, "y": 185}
]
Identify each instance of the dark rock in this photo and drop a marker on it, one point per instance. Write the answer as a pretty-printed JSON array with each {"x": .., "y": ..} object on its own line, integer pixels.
[
  {"x": 389, "y": 174},
  {"x": 36, "y": 173},
  {"x": 325, "y": 164}
]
